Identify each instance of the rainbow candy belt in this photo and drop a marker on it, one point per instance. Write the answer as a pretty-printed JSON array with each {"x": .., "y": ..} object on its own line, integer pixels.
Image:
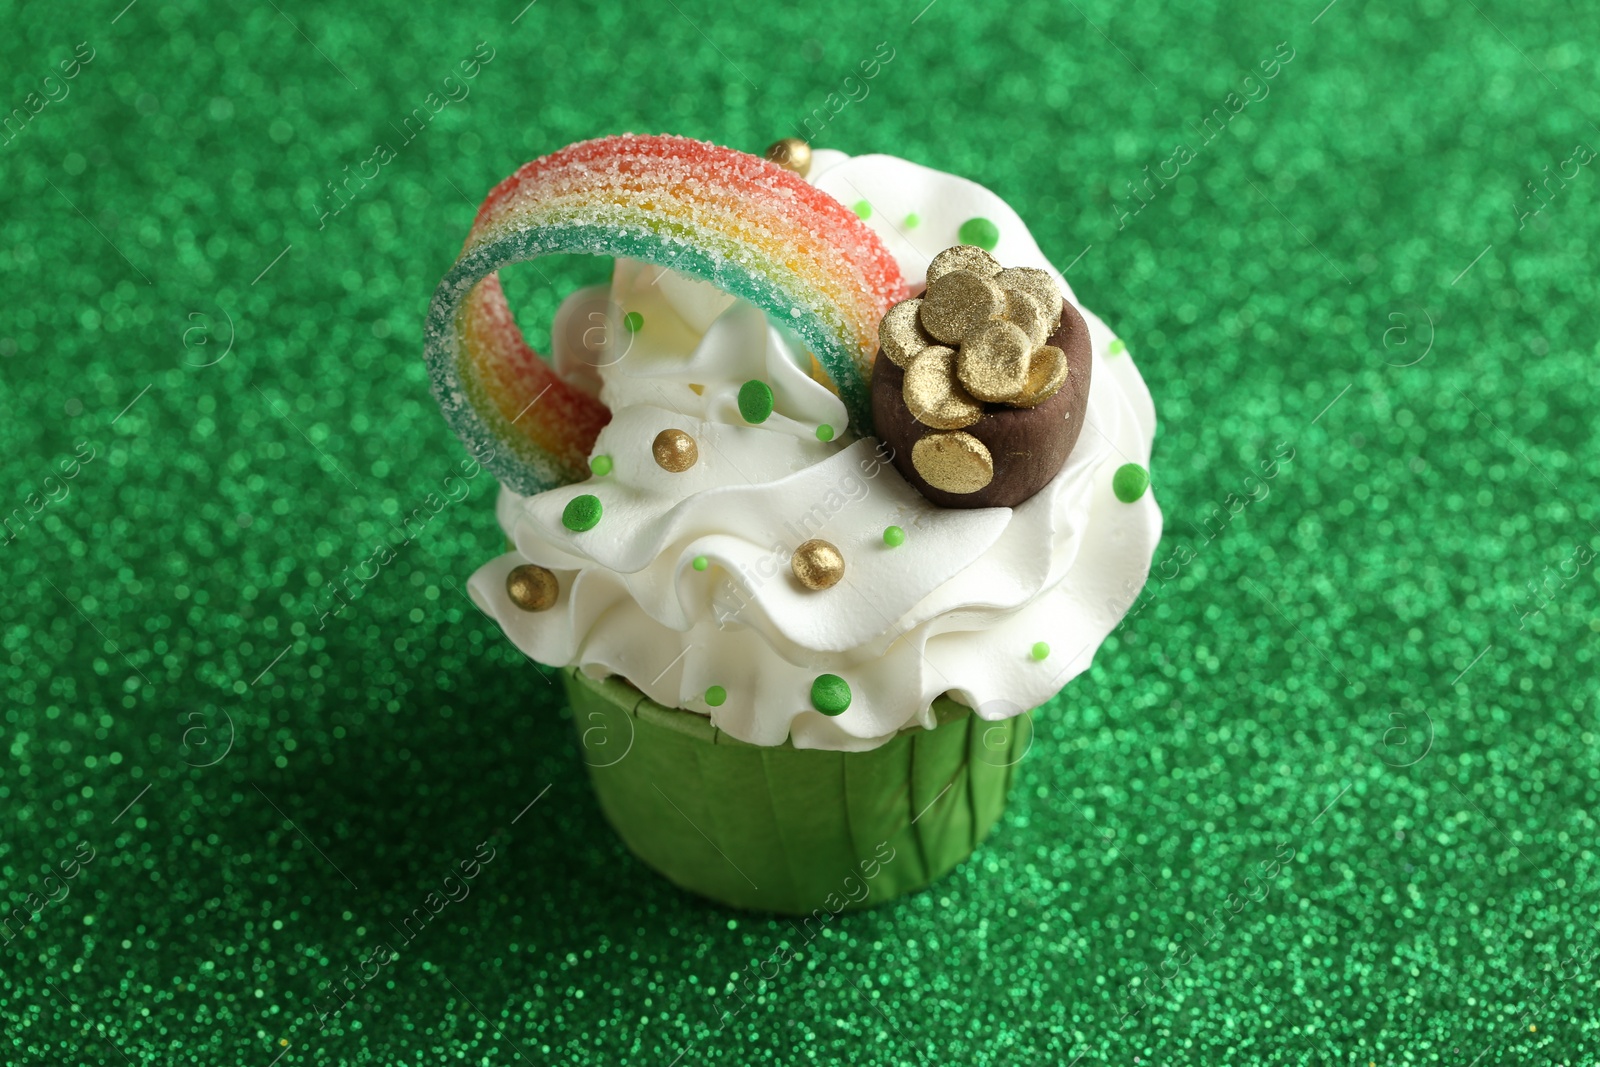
[{"x": 743, "y": 224}]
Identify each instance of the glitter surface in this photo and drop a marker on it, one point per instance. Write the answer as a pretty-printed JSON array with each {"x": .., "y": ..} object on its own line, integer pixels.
[{"x": 1327, "y": 796}]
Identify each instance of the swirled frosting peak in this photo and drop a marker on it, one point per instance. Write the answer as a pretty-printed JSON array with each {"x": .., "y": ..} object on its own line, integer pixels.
[{"x": 685, "y": 582}]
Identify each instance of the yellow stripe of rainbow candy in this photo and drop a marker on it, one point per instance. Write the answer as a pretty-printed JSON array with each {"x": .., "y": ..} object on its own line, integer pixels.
[{"x": 737, "y": 221}]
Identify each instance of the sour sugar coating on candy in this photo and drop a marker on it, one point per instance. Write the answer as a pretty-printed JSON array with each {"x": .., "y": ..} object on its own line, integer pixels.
[
  {"x": 740, "y": 222},
  {"x": 487, "y": 381}
]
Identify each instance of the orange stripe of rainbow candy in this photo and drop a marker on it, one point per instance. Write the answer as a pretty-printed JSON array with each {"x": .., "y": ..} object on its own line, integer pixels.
[{"x": 735, "y": 220}]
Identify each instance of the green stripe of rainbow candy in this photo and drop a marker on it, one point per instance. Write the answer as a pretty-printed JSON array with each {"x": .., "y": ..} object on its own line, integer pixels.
[{"x": 739, "y": 222}]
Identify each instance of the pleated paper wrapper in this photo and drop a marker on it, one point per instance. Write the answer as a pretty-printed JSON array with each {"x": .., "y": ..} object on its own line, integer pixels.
[{"x": 787, "y": 830}]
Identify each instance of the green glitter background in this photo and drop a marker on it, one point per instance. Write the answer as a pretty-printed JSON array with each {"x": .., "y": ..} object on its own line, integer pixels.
[{"x": 1380, "y": 660}]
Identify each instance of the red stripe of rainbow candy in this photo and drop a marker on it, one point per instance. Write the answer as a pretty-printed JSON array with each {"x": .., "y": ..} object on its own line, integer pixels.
[{"x": 730, "y": 218}]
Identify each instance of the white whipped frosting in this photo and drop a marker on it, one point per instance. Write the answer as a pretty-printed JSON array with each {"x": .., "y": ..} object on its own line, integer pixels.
[{"x": 956, "y": 609}]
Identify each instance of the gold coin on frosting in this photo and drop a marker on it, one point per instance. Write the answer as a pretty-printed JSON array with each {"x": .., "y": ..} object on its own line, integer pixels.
[
  {"x": 956, "y": 462},
  {"x": 900, "y": 335},
  {"x": 957, "y": 303},
  {"x": 1023, "y": 310},
  {"x": 532, "y": 587},
  {"x": 932, "y": 394},
  {"x": 962, "y": 257},
  {"x": 993, "y": 361},
  {"x": 818, "y": 564},
  {"x": 1037, "y": 284},
  {"x": 1047, "y": 373},
  {"x": 674, "y": 451}
]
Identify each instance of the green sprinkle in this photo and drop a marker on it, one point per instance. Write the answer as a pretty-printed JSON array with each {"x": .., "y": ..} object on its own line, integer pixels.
[
  {"x": 755, "y": 401},
  {"x": 581, "y": 513},
  {"x": 600, "y": 466},
  {"x": 863, "y": 209},
  {"x": 981, "y": 232},
  {"x": 913, "y": 220},
  {"x": 830, "y": 694},
  {"x": 633, "y": 322},
  {"x": 824, "y": 432},
  {"x": 701, "y": 563},
  {"x": 894, "y": 537},
  {"x": 1041, "y": 650},
  {"x": 1130, "y": 482},
  {"x": 1117, "y": 346},
  {"x": 716, "y": 695}
]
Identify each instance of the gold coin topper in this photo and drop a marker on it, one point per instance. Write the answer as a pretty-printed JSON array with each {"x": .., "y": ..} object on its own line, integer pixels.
[
  {"x": 981, "y": 382},
  {"x": 977, "y": 335}
]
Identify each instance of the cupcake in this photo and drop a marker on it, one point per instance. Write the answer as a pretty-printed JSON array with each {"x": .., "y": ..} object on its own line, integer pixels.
[{"x": 813, "y": 503}]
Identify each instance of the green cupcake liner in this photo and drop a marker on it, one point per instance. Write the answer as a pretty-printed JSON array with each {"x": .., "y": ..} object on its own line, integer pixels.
[{"x": 787, "y": 830}]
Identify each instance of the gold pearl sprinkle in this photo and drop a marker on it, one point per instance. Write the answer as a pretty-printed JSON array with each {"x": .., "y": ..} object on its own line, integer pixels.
[
  {"x": 1037, "y": 284},
  {"x": 817, "y": 564},
  {"x": 1047, "y": 373},
  {"x": 956, "y": 462},
  {"x": 791, "y": 153},
  {"x": 962, "y": 257},
  {"x": 993, "y": 363},
  {"x": 675, "y": 451},
  {"x": 958, "y": 303},
  {"x": 532, "y": 587},
  {"x": 932, "y": 394},
  {"x": 1023, "y": 310},
  {"x": 900, "y": 335}
]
